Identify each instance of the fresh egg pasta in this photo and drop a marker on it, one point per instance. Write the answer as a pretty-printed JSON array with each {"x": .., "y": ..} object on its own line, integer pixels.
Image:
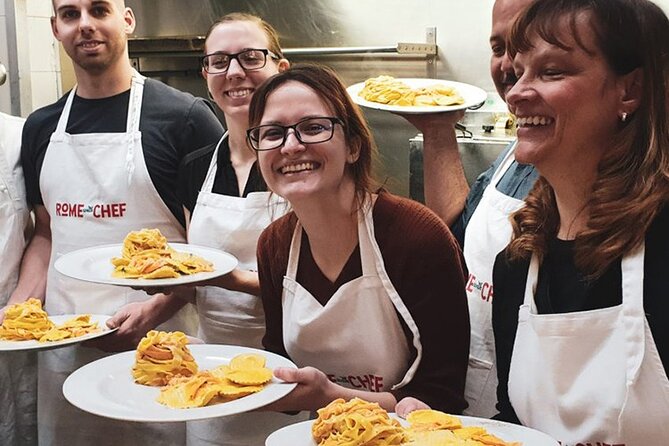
[
  {"x": 28, "y": 321},
  {"x": 361, "y": 423},
  {"x": 391, "y": 91},
  {"x": 161, "y": 356},
  {"x": 147, "y": 255},
  {"x": 246, "y": 374},
  {"x": 25, "y": 321}
]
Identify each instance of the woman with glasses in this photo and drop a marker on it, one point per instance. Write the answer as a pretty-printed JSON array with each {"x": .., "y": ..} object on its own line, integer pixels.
[
  {"x": 229, "y": 207},
  {"x": 360, "y": 288}
]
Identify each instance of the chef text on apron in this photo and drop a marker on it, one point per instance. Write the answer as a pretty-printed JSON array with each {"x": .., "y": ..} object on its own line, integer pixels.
[
  {"x": 97, "y": 173},
  {"x": 488, "y": 233},
  {"x": 18, "y": 370},
  {"x": 591, "y": 377},
  {"x": 356, "y": 338},
  {"x": 233, "y": 224}
]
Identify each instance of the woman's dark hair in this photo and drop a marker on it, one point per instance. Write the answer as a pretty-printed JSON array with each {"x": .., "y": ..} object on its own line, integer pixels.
[{"x": 325, "y": 82}]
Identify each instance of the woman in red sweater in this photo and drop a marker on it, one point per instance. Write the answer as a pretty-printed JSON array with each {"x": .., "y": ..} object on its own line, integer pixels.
[{"x": 360, "y": 288}]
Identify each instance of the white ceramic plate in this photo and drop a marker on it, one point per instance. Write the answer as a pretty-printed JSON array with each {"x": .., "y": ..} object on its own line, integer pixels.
[
  {"x": 8, "y": 346},
  {"x": 94, "y": 265},
  {"x": 106, "y": 388},
  {"x": 473, "y": 96},
  {"x": 300, "y": 434}
]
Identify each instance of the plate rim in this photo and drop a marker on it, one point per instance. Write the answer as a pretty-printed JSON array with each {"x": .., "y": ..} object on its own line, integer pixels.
[
  {"x": 465, "y": 418},
  {"x": 182, "y": 280},
  {"x": 180, "y": 415},
  {"x": 413, "y": 109},
  {"x": 35, "y": 346}
]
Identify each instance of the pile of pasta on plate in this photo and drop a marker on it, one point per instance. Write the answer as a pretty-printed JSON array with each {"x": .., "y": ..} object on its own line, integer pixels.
[
  {"x": 388, "y": 90},
  {"x": 27, "y": 321},
  {"x": 163, "y": 359},
  {"x": 361, "y": 423},
  {"x": 147, "y": 255}
]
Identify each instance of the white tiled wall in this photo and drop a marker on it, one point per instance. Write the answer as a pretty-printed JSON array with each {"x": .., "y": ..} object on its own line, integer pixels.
[{"x": 39, "y": 73}]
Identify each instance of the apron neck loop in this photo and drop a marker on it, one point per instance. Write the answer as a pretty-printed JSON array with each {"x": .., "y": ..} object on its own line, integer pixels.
[
  {"x": 135, "y": 102},
  {"x": 208, "y": 184},
  {"x": 504, "y": 166}
]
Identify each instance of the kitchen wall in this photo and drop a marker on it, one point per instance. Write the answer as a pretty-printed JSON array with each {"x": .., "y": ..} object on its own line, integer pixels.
[
  {"x": 38, "y": 75},
  {"x": 30, "y": 53}
]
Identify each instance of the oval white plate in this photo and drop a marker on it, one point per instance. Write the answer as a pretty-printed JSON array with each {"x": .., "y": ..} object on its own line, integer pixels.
[
  {"x": 299, "y": 434},
  {"x": 106, "y": 388},
  {"x": 94, "y": 265},
  {"x": 473, "y": 96},
  {"x": 101, "y": 319}
]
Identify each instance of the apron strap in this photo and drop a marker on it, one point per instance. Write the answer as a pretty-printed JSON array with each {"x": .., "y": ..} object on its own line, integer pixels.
[
  {"x": 368, "y": 240},
  {"x": 135, "y": 102},
  {"x": 505, "y": 165},
  {"x": 634, "y": 318},
  {"x": 531, "y": 283},
  {"x": 65, "y": 114},
  {"x": 294, "y": 252},
  {"x": 208, "y": 184}
]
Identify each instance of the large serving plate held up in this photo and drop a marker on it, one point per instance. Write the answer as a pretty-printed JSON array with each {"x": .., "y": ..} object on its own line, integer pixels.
[
  {"x": 106, "y": 387},
  {"x": 473, "y": 97},
  {"x": 94, "y": 265}
]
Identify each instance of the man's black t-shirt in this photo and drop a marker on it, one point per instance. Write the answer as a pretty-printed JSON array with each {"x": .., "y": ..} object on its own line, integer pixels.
[{"x": 173, "y": 124}]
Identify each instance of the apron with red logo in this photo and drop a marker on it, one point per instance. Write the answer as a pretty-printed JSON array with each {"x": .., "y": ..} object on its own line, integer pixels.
[
  {"x": 356, "y": 338},
  {"x": 96, "y": 188},
  {"x": 488, "y": 233}
]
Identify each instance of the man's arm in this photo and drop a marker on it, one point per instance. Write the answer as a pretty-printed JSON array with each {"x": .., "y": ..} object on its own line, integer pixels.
[
  {"x": 445, "y": 185},
  {"x": 35, "y": 262}
]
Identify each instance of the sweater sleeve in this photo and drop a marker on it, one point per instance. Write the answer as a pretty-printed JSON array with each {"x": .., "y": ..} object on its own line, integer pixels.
[{"x": 425, "y": 266}]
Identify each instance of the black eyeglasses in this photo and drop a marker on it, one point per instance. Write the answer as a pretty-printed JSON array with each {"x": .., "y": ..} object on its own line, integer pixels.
[
  {"x": 250, "y": 59},
  {"x": 307, "y": 131}
]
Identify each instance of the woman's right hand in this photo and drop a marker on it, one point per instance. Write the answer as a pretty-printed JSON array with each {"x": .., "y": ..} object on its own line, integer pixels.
[{"x": 408, "y": 405}]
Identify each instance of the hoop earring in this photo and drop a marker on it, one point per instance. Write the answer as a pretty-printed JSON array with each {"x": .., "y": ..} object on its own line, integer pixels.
[{"x": 623, "y": 117}]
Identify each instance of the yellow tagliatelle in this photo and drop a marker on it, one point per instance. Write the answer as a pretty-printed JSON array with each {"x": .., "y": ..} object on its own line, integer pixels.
[
  {"x": 28, "y": 321},
  {"x": 356, "y": 423},
  {"x": 77, "y": 326},
  {"x": 25, "y": 321},
  {"x": 246, "y": 374},
  {"x": 391, "y": 91},
  {"x": 361, "y": 423},
  {"x": 161, "y": 356},
  {"x": 146, "y": 255}
]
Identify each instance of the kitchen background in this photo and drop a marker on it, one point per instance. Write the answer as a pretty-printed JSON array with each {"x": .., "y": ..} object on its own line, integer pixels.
[{"x": 446, "y": 39}]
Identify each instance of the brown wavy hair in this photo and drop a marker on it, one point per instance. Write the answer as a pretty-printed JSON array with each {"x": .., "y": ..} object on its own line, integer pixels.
[
  {"x": 632, "y": 183},
  {"x": 325, "y": 82}
]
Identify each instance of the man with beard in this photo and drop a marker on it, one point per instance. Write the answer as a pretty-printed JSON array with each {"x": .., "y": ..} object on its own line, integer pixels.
[{"x": 114, "y": 142}]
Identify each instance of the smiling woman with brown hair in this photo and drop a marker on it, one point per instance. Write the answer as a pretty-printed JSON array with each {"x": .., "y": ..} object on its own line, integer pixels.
[
  {"x": 580, "y": 309},
  {"x": 360, "y": 288}
]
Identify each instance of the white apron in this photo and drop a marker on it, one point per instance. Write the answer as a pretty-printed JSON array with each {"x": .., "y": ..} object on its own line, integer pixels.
[
  {"x": 233, "y": 224},
  {"x": 356, "y": 339},
  {"x": 591, "y": 377},
  {"x": 18, "y": 370},
  {"x": 488, "y": 233},
  {"x": 103, "y": 175}
]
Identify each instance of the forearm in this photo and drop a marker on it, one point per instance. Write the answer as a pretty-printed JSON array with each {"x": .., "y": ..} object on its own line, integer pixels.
[
  {"x": 238, "y": 280},
  {"x": 34, "y": 264},
  {"x": 445, "y": 185}
]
